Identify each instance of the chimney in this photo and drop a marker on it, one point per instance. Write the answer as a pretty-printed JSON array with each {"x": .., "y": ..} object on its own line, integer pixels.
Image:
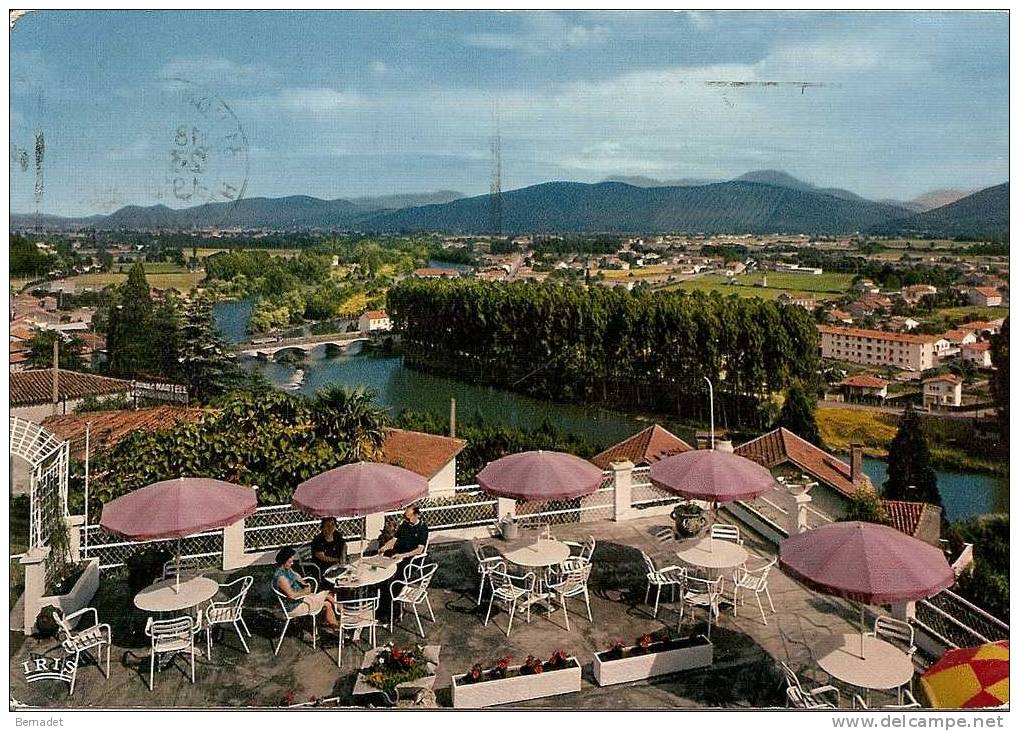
[{"x": 856, "y": 464}]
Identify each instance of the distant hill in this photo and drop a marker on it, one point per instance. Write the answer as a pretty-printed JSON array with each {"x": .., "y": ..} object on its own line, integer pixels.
[
  {"x": 982, "y": 215},
  {"x": 642, "y": 181},
  {"x": 936, "y": 198},
  {"x": 395, "y": 202},
  {"x": 730, "y": 207},
  {"x": 785, "y": 180}
]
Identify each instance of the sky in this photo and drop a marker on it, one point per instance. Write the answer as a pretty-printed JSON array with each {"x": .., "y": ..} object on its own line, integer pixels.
[{"x": 349, "y": 104}]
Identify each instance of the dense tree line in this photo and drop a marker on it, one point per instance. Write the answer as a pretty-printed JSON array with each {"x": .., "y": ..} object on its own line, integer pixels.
[
  {"x": 884, "y": 274},
  {"x": 270, "y": 439},
  {"x": 558, "y": 245},
  {"x": 642, "y": 350},
  {"x": 26, "y": 259}
]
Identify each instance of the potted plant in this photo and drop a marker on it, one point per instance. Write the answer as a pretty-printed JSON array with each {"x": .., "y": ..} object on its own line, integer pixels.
[
  {"x": 503, "y": 683},
  {"x": 689, "y": 519},
  {"x": 391, "y": 669},
  {"x": 651, "y": 656}
]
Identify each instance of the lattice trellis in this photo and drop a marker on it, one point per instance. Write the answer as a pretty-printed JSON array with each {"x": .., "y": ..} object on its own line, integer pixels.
[
  {"x": 275, "y": 526},
  {"x": 958, "y": 621},
  {"x": 113, "y": 551},
  {"x": 48, "y": 459},
  {"x": 646, "y": 495},
  {"x": 467, "y": 508}
]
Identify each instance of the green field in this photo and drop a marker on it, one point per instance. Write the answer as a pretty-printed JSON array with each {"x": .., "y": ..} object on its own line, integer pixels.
[
  {"x": 823, "y": 286},
  {"x": 981, "y": 313},
  {"x": 178, "y": 278}
]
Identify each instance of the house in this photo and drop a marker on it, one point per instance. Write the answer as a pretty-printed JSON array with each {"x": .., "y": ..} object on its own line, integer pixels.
[
  {"x": 960, "y": 336},
  {"x": 790, "y": 456},
  {"x": 436, "y": 273},
  {"x": 374, "y": 321},
  {"x": 864, "y": 387},
  {"x": 842, "y": 316},
  {"x": 864, "y": 285},
  {"x": 920, "y": 520},
  {"x": 902, "y": 324},
  {"x": 32, "y": 398},
  {"x": 944, "y": 390},
  {"x": 643, "y": 448},
  {"x": 978, "y": 353},
  {"x": 984, "y": 296},
  {"x": 915, "y": 292},
  {"x": 877, "y": 347},
  {"x": 806, "y": 301},
  {"x": 986, "y": 327},
  {"x": 429, "y": 455}
]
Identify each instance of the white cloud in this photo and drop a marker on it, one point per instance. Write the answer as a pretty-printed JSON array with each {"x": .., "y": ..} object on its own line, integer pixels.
[
  {"x": 580, "y": 36},
  {"x": 218, "y": 70},
  {"x": 543, "y": 33},
  {"x": 379, "y": 67},
  {"x": 316, "y": 100}
]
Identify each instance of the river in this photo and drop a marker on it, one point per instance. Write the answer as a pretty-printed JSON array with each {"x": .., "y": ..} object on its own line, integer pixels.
[{"x": 398, "y": 388}]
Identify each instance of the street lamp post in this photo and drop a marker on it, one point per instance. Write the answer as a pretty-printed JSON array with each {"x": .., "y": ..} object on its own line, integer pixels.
[{"x": 711, "y": 398}]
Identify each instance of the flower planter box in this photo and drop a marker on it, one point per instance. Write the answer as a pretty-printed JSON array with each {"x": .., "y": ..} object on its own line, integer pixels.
[
  {"x": 80, "y": 594},
  {"x": 516, "y": 688},
  {"x": 363, "y": 689},
  {"x": 693, "y": 652}
]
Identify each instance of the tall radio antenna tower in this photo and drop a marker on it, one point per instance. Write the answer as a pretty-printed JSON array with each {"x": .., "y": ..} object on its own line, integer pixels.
[{"x": 495, "y": 197}]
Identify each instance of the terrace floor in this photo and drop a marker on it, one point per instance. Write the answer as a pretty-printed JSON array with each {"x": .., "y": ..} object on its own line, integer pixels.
[{"x": 744, "y": 675}]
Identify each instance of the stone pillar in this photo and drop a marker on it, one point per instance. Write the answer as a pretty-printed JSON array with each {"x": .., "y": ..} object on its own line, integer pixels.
[
  {"x": 74, "y": 524},
  {"x": 801, "y": 498},
  {"x": 233, "y": 546},
  {"x": 622, "y": 489},
  {"x": 906, "y": 611},
  {"x": 506, "y": 506},
  {"x": 34, "y": 563}
]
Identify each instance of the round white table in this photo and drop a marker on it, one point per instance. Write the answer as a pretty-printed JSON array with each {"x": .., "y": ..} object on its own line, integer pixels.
[
  {"x": 712, "y": 554},
  {"x": 167, "y": 596},
  {"x": 540, "y": 554},
  {"x": 882, "y": 666},
  {"x": 362, "y": 573}
]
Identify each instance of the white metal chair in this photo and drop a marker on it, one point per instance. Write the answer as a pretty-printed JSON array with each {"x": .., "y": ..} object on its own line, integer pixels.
[
  {"x": 798, "y": 697},
  {"x": 754, "y": 581},
  {"x": 908, "y": 700},
  {"x": 671, "y": 576},
  {"x": 895, "y": 631},
  {"x": 516, "y": 592},
  {"x": 187, "y": 566},
  {"x": 357, "y": 614},
  {"x": 572, "y": 582},
  {"x": 301, "y": 610},
  {"x": 488, "y": 558},
  {"x": 230, "y": 611},
  {"x": 170, "y": 636},
  {"x": 305, "y": 564},
  {"x": 93, "y": 636},
  {"x": 421, "y": 559},
  {"x": 413, "y": 590},
  {"x": 706, "y": 593},
  {"x": 726, "y": 532},
  {"x": 582, "y": 551}
]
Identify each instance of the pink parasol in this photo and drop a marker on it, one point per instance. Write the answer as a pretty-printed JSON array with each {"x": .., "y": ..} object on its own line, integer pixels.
[
  {"x": 540, "y": 476},
  {"x": 359, "y": 489},
  {"x": 866, "y": 562},
  {"x": 712, "y": 475},
  {"x": 176, "y": 509}
]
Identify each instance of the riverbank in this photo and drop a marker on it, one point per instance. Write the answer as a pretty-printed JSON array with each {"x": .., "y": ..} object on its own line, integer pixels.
[{"x": 952, "y": 442}]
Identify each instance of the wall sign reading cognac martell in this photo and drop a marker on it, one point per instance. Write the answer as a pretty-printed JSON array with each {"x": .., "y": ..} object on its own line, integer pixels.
[{"x": 159, "y": 391}]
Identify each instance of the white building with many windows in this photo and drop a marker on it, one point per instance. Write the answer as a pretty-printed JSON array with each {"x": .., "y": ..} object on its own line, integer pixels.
[{"x": 878, "y": 348}]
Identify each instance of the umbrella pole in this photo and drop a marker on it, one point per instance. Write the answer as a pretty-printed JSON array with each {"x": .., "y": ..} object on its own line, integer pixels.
[
  {"x": 863, "y": 629},
  {"x": 176, "y": 573}
]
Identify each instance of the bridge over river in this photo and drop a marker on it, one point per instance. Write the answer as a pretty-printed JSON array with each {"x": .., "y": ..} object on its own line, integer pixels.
[{"x": 266, "y": 349}]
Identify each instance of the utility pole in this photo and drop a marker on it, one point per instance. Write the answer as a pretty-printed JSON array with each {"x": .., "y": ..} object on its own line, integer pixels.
[
  {"x": 711, "y": 397},
  {"x": 452, "y": 417},
  {"x": 56, "y": 371}
]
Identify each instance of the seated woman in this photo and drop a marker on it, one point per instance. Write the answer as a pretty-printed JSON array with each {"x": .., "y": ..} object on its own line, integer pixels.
[
  {"x": 328, "y": 549},
  {"x": 299, "y": 598}
]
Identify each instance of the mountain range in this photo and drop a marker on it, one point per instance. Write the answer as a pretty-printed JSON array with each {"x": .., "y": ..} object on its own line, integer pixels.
[{"x": 759, "y": 202}]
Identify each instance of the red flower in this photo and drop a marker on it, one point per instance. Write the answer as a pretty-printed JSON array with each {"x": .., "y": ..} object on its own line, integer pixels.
[
  {"x": 644, "y": 641},
  {"x": 476, "y": 672},
  {"x": 503, "y": 662}
]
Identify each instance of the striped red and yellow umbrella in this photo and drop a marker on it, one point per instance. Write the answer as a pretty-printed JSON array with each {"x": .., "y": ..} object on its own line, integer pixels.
[{"x": 974, "y": 677}]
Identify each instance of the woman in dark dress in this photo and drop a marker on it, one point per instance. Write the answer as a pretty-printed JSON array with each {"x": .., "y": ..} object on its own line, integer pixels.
[{"x": 328, "y": 549}]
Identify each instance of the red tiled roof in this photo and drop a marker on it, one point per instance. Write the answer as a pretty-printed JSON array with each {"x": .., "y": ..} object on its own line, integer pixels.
[
  {"x": 982, "y": 345},
  {"x": 957, "y": 335},
  {"x": 22, "y": 332},
  {"x": 906, "y": 516},
  {"x": 864, "y": 380},
  {"x": 781, "y": 445},
  {"x": 36, "y": 386},
  {"x": 947, "y": 378},
  {"x": 876, "y": 334},
  {"x": 19, "y": 356},
  {"x": 109, "y": 427},
  {"x": 643, "y": 448},
  {"x": 425, "y": 454},
  {"x": 375, "y": 314},
  {"x": 436, "y": 272},
  {"x": 988, "y": 291}
]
